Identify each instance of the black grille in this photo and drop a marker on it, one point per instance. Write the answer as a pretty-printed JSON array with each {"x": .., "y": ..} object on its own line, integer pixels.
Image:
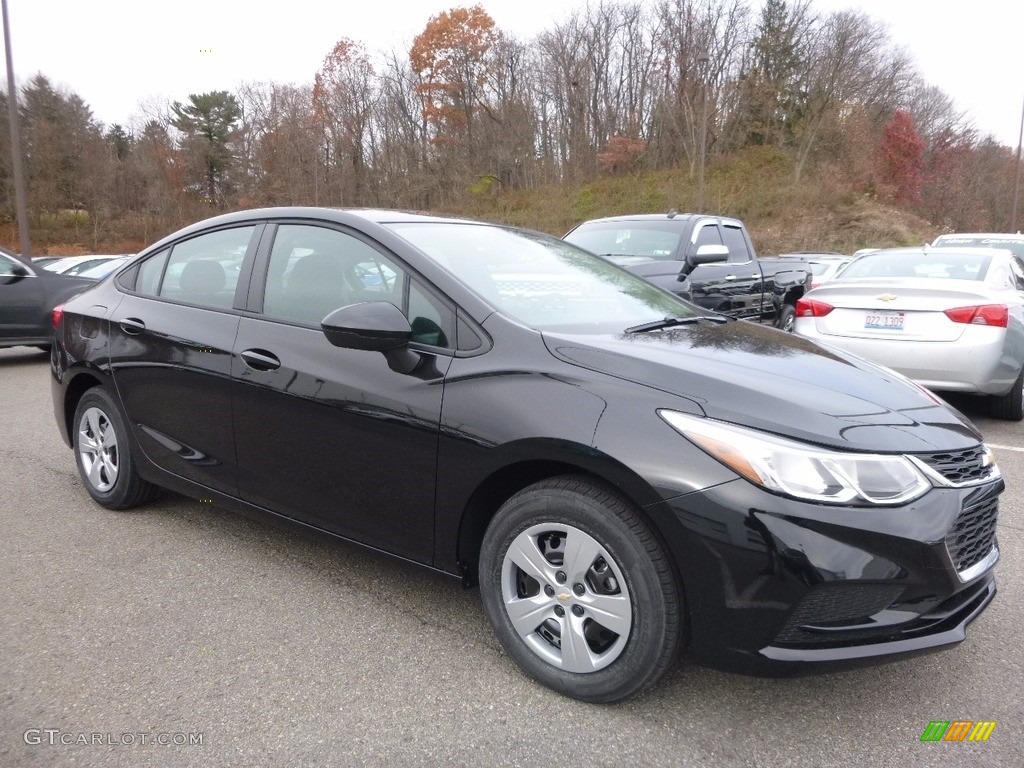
[
  {"x": 958, "y": 466},
  {"x": 972, "y": 535},
  {"x": 834, "y": 605}
]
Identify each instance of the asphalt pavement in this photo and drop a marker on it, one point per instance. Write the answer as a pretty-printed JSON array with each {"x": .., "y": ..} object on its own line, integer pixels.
[{"x": 184, "y": 635}]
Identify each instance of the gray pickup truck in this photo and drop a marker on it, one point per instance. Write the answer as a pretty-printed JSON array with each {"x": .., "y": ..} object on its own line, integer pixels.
[{"x": 708, "y": 260}]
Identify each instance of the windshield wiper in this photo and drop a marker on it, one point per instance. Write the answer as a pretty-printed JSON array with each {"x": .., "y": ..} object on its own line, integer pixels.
[{"x": 671, "y": 322}]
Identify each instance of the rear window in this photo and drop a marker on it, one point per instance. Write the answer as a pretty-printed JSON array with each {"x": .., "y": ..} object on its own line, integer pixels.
[{"x": 949, "y": 264}]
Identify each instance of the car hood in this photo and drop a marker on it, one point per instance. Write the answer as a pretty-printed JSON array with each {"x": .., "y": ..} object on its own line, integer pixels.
[{"x": 777, "y": 382}]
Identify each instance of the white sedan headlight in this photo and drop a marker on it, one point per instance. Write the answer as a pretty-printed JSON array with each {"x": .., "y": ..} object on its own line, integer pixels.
[{"x": 803, "y": 471}]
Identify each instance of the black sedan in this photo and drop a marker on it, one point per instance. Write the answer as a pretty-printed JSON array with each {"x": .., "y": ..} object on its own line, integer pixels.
[
  {"x": 625, "y": 475},
  {"x": 28, "y": 294}
]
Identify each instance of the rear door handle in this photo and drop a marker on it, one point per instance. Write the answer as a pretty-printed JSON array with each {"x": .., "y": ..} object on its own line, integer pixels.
[
  {"x": 260, "y": 360},
  {"x": 132, "y": 326}
]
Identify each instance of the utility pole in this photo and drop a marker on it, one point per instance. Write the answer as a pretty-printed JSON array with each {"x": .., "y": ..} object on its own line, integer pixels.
[
  {"x": 19, "y": 173},
  {"x": 703, "y": 66},
  {"x": 1016, "y": 175}
]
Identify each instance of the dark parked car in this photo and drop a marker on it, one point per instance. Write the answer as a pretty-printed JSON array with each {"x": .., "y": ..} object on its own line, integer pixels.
[
  {"x": 709, "y": 260},
  {"x": 626, "y": 475},
  {"x": 28, "y": 294}
]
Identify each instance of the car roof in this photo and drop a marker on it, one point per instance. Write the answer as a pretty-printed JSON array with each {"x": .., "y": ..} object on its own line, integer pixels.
[
  {"x": 810, "y": 256},
  {"x": 671, "y": 216},
  {"x": 997, "y": 236},
  {"x": 974, "y": 251},
  {"x": 348, "y": 216}
]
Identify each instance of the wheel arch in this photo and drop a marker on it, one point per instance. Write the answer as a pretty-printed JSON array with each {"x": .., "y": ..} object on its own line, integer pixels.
[
  {"x": 488, "y": 496},
  {"x": 76, "y": 389}
]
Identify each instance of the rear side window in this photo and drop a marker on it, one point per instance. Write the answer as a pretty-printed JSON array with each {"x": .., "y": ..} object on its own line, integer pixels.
[
  {"x": 737, "y": 244},
  {"x": 150, "y": 272},
  {"x": 205, "y": 269}
]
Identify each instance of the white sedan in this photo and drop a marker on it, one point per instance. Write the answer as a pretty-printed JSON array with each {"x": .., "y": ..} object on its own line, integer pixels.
[{"x": 950, "y": 319}]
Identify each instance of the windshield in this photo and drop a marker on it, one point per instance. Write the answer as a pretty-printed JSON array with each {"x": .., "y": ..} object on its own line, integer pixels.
[
  {"x": 1014, "y": 245},
  {"x": 949, "y": 264},
  {"x": 542, "y": 281},
  {"x": 624, "y": 238}
]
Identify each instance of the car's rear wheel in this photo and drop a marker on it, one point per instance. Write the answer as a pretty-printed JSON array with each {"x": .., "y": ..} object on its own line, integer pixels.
[
  {"x": 1011, "y": 405},
  {"x": 579, "y": 591},
  {"x": 103, "y": 454},
  {"x": 787, "y": 318}
]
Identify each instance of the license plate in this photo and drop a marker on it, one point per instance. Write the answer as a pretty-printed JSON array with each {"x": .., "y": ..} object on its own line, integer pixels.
[{"x": 889, "y": 321}]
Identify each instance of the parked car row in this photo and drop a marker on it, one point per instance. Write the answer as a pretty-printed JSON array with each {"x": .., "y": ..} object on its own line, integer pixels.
[{"x": 626, "y": 474}]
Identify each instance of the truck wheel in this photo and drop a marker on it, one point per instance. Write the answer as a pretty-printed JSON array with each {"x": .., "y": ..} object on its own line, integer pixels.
[
  {"x": 787, "y": 318},
  {"x": 579, "y": 591}
]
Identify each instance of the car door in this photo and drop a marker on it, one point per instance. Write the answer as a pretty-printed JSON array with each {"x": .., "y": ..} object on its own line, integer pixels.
[
  {"x": 732, "y": 287},
  {"x": 334, "y": 437},
  {"x": 20, "y": 301},
  {"x": 171, "y": 339}
]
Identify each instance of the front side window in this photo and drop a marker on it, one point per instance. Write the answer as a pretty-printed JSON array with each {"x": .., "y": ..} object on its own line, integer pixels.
[{"x": 314, "y": 270}]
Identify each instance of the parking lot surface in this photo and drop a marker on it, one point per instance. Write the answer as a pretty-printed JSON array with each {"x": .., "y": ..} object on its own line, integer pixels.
[{"x": 182, "y": 634}]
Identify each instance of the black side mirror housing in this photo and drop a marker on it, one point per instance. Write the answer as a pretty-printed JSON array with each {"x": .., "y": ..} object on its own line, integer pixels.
[{"x": 376, "y": 326}]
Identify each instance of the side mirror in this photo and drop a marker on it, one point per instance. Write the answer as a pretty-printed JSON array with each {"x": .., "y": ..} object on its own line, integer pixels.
[
  {"x": 18, "y": 271},
  {"x": 376, "y": 326},
  {"x": 705, "y": 254}
]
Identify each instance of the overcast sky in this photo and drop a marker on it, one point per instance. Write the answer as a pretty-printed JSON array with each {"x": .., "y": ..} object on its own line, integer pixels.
[{"x": 120, "y": 54}]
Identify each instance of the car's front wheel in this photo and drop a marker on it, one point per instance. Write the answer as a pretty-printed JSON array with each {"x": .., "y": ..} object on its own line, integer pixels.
[
  {"x": 103, "y": 455},
  {"x": 579, "y": 591}
]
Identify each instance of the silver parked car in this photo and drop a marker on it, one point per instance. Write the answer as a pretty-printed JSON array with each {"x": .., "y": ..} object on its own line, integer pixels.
[{"x": 950, "y": 319}]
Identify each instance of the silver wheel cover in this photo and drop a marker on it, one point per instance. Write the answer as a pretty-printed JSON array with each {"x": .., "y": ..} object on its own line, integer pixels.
[
  {"x": 97, "y": 449},
  {"x": 579, "y": 623}
]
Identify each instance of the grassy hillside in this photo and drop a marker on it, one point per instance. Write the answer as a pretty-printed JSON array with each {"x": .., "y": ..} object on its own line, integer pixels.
[{"x": 757, "y": 186}]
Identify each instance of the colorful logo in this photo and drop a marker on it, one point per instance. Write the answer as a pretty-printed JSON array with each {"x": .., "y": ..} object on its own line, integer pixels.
[{"x": 958, "y": 730}]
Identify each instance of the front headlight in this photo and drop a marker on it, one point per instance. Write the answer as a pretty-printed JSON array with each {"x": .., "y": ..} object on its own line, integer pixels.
[{"x": 803, "y": 471}]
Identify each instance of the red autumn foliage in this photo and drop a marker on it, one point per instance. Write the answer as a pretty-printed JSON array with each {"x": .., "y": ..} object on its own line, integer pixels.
[{"x": 901, "y": 156}]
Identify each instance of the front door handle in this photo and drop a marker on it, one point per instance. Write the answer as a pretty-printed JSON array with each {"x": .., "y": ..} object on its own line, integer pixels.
[
  {"x": 260, "y": 360},
  {"x": 132, "y": 326}
]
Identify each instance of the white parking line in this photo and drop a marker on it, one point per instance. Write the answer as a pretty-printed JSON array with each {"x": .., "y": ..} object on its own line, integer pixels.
[{"x": 1005, "y": 447}]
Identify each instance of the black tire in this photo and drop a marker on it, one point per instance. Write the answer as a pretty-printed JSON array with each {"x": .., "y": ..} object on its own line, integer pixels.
[
  {"x": 787, "y": 318},
  {"x": 1011, "y": 405},
  {"x": 616, "y": 577},
  {"x": 103, "y": 454}
]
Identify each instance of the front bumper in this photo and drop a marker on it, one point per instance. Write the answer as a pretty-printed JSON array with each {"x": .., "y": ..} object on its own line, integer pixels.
[{"x": 780, "y": 587}]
